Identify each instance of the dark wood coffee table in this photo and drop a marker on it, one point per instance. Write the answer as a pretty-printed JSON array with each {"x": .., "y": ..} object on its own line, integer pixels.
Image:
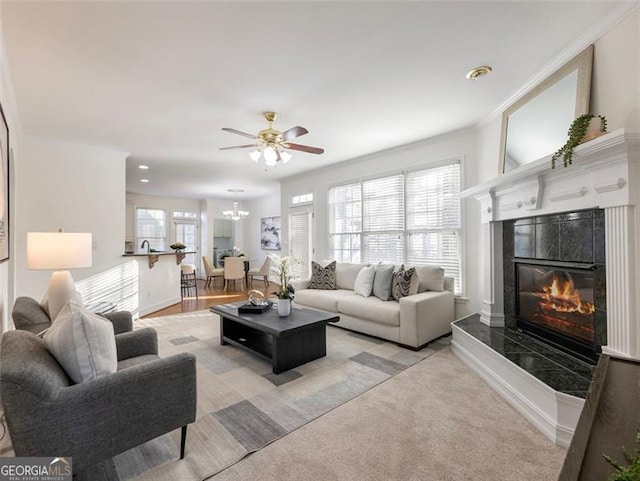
[{"x": 286, "y": 342}]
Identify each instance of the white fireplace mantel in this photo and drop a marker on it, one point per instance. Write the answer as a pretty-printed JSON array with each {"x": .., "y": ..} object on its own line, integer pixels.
[{"x": 605, "y": 174}]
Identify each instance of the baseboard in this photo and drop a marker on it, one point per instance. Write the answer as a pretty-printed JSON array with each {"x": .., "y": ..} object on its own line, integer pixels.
[
  {"x": 553, "y": 413},
  {"x": 156, "y": 307}
]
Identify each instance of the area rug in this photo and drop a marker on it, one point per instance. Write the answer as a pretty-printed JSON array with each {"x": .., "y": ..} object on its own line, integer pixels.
[{"x": 242, "y": 405}]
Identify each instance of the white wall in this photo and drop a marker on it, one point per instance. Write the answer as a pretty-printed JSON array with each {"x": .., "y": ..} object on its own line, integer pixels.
[
  {"x": 615, "y": 91},
  {"x": 75, "y": 187},
  {"x": 459, "y": 144},
  {"x": 266, "y": 206},
  {"x": 7, "y": 268}
]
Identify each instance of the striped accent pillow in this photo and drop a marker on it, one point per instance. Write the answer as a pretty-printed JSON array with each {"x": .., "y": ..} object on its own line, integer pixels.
[
  {"x": 401, "y": 283},
  {"x": 323, "y": 277}
]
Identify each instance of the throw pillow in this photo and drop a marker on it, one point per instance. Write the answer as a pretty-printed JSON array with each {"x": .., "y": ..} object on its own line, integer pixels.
[
  {"x": 402, "y": 283},
  {"x": 323, "y": 277},
  {"x": 83, "y": 343},
  {"x": 431, "y": 278},
  {"x": 364, "y": 281},
  {"x": 415, "y": 283},
  {"x": 382, "y": 282}
]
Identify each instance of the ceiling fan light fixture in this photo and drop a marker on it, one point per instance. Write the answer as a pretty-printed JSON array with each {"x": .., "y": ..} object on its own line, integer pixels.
[
  {"x": 255, "y": 155},
  {"x": 270, "y": 155},
  {"x": 285, "y": 156}
]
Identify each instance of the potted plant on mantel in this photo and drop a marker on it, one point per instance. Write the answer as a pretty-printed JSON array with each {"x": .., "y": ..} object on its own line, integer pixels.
[
  {"x": 584, "y": 128},
  {"x": 282, "y": 269}
]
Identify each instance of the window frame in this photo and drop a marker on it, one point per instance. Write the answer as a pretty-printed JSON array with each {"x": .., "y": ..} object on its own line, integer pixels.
[{"x": 165, "y": 238}]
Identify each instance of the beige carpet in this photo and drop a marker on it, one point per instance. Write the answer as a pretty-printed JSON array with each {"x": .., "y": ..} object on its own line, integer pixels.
[{"x": 435, "y": 421}]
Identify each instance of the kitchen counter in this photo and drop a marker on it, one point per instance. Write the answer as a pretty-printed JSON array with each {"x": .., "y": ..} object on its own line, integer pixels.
[{"x": 155, "y": 256}]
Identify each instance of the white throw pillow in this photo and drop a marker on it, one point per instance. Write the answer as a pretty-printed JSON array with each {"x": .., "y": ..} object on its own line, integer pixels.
[
  {"x": 83, "y": 343},
  {"x": 364, "y": 281},
  {"x": 431, "y": 278}
]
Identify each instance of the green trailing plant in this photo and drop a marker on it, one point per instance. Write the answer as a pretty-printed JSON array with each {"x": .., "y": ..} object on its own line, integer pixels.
[
  {"x": 576, "y": 132},
  {"x": 630, "y": 472}
]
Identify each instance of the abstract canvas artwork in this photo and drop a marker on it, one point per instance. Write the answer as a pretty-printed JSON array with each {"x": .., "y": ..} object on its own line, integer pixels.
[
  {"x": 270, "y": 233},
  {"x": 4, "y": 188}
]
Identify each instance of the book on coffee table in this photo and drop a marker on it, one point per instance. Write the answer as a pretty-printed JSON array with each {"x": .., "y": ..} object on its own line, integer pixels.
[{"x": 249, "y": 308}]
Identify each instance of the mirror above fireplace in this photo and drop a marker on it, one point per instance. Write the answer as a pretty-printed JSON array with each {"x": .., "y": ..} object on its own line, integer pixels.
[{"x": 536, "y": 125}]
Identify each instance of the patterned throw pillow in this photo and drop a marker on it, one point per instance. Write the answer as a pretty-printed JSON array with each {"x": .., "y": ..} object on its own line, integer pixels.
[
  {"x": 401, "y": 282},
  {"x": 323, "y": 277}
]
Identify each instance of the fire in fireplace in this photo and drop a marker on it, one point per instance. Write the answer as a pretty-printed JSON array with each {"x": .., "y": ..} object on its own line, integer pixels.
[{"x": 557, "y": 304}]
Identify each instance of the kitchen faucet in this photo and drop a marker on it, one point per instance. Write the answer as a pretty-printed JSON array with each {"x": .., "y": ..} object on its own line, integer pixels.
[{"x": 142, "y": 246}]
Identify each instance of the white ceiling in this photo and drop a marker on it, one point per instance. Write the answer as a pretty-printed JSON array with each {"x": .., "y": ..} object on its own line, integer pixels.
[{"x": 159, "y": 80}]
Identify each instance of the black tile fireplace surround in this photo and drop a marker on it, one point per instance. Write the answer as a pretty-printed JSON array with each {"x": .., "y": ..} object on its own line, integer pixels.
[{"x": 574, "y": 241}]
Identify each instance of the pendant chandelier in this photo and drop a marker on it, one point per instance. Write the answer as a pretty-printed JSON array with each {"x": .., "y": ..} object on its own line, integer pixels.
[{"x": 235, "y": 214}]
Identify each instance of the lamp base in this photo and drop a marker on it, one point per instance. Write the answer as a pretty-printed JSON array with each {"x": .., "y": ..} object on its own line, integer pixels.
[{"x": 61, "y": 289}]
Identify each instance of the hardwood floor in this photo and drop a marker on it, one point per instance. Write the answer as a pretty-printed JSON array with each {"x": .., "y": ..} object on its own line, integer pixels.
[{"x": 211, "y": 296}]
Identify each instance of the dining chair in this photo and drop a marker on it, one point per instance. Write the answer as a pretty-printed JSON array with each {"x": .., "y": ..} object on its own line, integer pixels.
[
  {"x": 262, "y": 272},
  {"x": 211, "y": 272},
  {"x": 188, "y": 279},
  {"x": 234, "y": 271}
]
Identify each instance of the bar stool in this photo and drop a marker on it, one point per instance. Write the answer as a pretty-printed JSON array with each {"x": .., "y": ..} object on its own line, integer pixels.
[{"x": 188, "y": 279}]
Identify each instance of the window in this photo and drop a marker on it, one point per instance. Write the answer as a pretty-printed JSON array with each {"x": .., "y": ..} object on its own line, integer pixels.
[
  {"x": 302, "y": 199},
  {"x": 185, "y": 215},
  {"x": 412, "y": 218},
  {"x": 383, "y": 219},
  {"x": 345, "y": 217},
  {"x": 151, "y": 226},
  {"x": 433, "y": 225}
]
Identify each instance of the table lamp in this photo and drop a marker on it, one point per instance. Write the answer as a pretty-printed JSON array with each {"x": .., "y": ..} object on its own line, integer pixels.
[{"x": 59, "y": 251}]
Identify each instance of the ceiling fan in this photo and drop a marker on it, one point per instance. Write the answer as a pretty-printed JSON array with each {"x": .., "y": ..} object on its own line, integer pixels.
[{"x": 273, "y": 144}]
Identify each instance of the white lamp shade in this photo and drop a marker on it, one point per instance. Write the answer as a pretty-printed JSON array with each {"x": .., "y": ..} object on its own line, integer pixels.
[{"x": 58, "y": 250}]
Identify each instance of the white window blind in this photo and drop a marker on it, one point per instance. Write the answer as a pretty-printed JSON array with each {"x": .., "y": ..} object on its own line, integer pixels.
[
  {"x": 345, "y": 222},
  {"x": 383, "y": 219},
  {"x": 433, "y": 219},
  {"x": 300, "y": 242},
  {"x": 151, "y": 225},
  {"x": 412, "y": 218}
]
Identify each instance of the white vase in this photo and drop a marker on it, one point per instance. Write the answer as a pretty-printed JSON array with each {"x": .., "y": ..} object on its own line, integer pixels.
[{"x": 284, "y": 307}]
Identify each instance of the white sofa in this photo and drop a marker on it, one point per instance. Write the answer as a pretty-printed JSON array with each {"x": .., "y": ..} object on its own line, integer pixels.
[{"x": 412, "y": 322}]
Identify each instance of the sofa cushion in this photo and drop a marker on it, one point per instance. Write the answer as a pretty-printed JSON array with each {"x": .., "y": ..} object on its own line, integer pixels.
[
  {"x": 83, "y": 343},
  {"x": 371, "y": 309},
  {"x": 323, "y": 278},
  {"x": 402, "y": 282},
  {"x": 327, "y": 300},
  {"x": 346, "y": 274},
  {"x": 364, "y": 282},
  {"x": 382, "y": 282},
  {"x": 431, "y": 278}
]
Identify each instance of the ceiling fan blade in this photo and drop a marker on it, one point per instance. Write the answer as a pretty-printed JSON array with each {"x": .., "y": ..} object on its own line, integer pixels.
[
  {"x": 303, "y": 148},
  {"x": 239, "y": 146},
  {"x": 239, "y": 132},
  {"x": 294, "y": 132}
]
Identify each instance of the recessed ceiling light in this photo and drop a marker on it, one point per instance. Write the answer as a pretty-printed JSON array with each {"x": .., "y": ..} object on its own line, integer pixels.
[
  {"x": 143, "y": 167},
  {"x": 479, "y": 72},
  {"x": 144, "y": 181}
]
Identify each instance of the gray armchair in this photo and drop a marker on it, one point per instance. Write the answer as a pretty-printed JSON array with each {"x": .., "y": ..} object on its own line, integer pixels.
[
  {"x": 92, "y": 421},
  {"x": 28, "y": 315}
]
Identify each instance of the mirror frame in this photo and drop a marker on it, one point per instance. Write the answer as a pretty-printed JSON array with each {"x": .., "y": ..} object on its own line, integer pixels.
[{"x": 583, "y": 63}]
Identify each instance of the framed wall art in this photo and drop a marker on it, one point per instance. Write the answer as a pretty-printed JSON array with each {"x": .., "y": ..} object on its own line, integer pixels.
[
  {"x": 270, "y": 233},
  {"x": 4, "y": 187}
]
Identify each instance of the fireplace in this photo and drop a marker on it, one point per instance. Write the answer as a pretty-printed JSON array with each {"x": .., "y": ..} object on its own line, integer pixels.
[{"x": 557, "y": 303}]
